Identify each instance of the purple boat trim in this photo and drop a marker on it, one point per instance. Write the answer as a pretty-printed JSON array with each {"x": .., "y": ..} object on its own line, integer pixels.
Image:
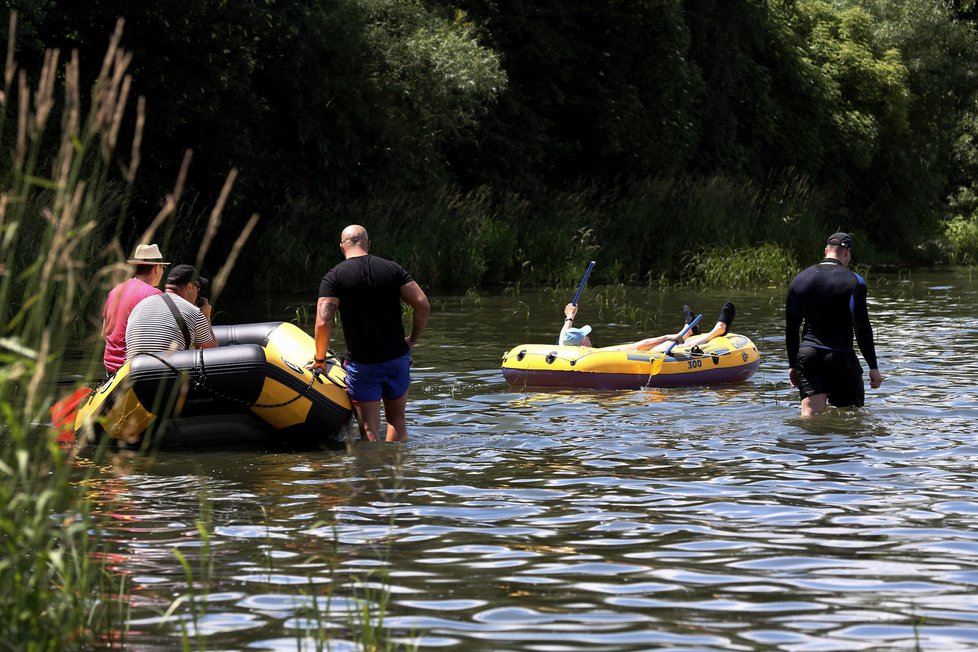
[{"x": 592, "y": 380}]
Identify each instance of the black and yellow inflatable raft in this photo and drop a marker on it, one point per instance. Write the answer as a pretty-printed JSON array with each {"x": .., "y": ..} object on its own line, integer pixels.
[
  {"x": 251, "y": 390},
  {"x": 729, "y": 358}
]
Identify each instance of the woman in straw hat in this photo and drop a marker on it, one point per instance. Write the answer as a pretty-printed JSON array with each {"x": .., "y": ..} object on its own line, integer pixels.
[{"x": 124, "y": 297}]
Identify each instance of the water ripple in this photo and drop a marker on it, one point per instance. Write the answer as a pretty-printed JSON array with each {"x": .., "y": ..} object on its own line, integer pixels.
[{"x": 680, "y": 519}]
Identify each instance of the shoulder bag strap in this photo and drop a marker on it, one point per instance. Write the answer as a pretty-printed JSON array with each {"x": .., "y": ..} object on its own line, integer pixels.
[{"x": 181, "y": 322}]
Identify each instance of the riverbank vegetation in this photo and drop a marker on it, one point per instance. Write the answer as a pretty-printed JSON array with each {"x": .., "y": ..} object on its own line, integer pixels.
[
  {"x": 481, "y": 143},
  {"x": 64, "y": 581},
  {"x": 490, "y": 143},
  {"x": 56, "y": 588}
]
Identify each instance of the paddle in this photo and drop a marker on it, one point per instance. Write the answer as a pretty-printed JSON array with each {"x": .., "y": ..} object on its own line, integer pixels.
[
  {"x": 64, "y": 411},
  {"x": 580, "y": 288},
  {"x": 658, "y": 362},
  {"x": 577, "y": 295}
]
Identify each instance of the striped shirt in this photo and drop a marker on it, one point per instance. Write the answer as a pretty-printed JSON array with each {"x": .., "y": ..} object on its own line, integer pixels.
[{"x": 152, "y": 327}]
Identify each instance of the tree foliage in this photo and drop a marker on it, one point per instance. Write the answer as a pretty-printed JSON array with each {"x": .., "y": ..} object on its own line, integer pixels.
[{"x": 871, "y": 102}]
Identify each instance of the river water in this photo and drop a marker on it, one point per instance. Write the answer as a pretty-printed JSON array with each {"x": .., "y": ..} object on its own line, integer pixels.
[{"x": 682, "y": 519}]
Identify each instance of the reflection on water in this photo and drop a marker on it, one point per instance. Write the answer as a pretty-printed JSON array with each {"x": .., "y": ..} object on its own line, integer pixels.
[{"x": 688, "y": 518}]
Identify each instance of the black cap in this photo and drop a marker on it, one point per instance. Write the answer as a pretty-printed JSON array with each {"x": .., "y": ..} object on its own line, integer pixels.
[
  {"x": 181, "y": 274},
  {"x": 840, "y": 240}
]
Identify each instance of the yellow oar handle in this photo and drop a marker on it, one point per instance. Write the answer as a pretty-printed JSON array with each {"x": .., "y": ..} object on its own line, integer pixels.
[
  {"x": 658, "y": 362},
  {"x": 681, "y": 333}
]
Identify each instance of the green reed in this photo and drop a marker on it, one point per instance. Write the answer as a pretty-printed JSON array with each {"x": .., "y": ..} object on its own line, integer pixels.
[
  {"x": 56, "y": 591},
  {"x": 63, "y": 194},
  {"x": 363, "y": 596},
  {"x": 766, "y": 265}
]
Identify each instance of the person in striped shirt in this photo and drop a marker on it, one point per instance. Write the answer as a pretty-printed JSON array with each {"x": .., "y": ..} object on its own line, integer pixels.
[{"x": 174, "y": 320}]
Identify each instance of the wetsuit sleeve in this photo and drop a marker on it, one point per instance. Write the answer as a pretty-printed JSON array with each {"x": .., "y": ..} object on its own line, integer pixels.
[
  {"x": 861, "y": 325},
  {"x": 792, "y": 325}
]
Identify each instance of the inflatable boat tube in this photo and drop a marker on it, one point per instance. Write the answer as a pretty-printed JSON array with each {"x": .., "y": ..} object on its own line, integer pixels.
[
  {"x": 251, "y": 390},
  {"x": 726, "y": 359}
]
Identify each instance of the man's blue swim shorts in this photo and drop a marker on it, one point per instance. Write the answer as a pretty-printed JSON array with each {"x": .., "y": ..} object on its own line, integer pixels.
[{"x": 372, "y": 382}]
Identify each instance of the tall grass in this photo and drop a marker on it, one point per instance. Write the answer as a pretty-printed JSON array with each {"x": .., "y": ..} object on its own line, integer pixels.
[
  {"x": 54, "y": 592},
  {"x": 63, "y": 194},
  {"x": 767, "y": 265}
]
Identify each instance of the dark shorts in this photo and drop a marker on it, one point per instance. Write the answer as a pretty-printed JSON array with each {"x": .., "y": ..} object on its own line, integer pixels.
[
  {"x": 372, "y": 382},
  {"x": 836, "y": 373}
]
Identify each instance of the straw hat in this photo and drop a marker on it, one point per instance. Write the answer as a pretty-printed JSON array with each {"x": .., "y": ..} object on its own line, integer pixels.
[{"x": 147, "y": 255}]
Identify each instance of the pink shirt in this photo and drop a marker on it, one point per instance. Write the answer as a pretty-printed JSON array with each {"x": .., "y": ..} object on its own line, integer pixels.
[{"x": 122, "y": 299}]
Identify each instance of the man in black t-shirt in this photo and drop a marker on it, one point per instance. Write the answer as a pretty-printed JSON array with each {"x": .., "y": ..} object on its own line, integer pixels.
[
  {"x": 368, "y": 292},
  {"x": 831, "y": 300}
]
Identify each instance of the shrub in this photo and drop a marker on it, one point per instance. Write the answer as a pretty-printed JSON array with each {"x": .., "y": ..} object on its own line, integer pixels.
[
  {"x": 767, "y": 264},
  {"x": 961, "y": 236}
]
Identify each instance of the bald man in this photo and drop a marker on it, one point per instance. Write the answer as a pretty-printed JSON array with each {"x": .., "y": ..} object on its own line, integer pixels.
[{"x": 368, "y": 291}]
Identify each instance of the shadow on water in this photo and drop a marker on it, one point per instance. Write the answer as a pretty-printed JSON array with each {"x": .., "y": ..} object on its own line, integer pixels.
[{"x": 689, "y": 518}]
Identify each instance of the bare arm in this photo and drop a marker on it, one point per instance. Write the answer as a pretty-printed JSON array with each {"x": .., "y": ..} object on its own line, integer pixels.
[
  {"x": 206, "y": 311},
  {"x": 325, "y": 311},
  {"x": 570, "y": 312},
  {"x": 414, "y": 296}
]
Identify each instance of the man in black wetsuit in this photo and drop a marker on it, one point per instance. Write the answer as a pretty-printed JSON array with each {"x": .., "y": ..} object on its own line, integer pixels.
[
  {"x": 831, "y": 300},
  {"x": 368, "y": 291}
]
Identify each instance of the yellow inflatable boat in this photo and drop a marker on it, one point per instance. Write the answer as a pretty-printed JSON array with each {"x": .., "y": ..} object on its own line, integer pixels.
[
  {"x": 729, "y": 358},
  {"x": 253, "y": 389}
]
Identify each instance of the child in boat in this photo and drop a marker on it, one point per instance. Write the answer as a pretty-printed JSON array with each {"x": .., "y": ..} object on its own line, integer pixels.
[{"x": 570, "y": 336}]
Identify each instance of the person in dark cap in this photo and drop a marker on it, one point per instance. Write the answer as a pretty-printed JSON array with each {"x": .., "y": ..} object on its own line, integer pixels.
[
  {"x": 830, "y": 300},
  {"x": 176, "y": 320}
]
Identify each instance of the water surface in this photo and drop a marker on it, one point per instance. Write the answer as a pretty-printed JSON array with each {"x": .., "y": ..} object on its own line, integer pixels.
[{"x": 682, "y": 519}]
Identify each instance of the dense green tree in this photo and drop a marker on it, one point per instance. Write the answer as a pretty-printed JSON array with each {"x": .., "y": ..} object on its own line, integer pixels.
[
  {"x": 597, "y": 91},
  {"x": 313, "y": 98},
  {"x": 865, "y": 107},
  {"x": 941, "y": 56}
]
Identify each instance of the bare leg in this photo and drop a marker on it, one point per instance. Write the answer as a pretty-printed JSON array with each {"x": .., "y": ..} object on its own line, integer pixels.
[
  {"x": 814, "y": 404},
  {"x": 394, "y": 410},
  {"x": 642, "y": 345},
  {"x": 719, "y": 329},
  {"x": 369, "y": 413}
]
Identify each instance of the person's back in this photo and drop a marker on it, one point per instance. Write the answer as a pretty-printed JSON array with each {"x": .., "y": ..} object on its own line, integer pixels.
[
  {"x": 149, "y": 267},
  {"x": 831, "y": 302},
  {"x": 122, "y": 300},
  {"x": 369, "y": 290},
  {"x": 824, "y": 296},
  {"x": 153, "y": 326}
]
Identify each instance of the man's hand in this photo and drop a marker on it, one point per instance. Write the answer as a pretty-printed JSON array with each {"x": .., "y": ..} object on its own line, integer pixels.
[
  {"x": 875, "y": 378},
  {"x": 316, "y": 367},
  {"x": 793, "y": 377}
]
